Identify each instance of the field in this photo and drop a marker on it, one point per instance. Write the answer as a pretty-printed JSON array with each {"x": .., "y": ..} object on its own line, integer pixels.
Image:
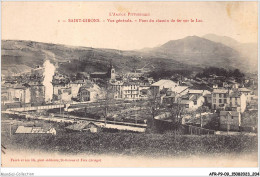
[
  {"x": 121, "y": 143},
  {"x": 131, "y": 112}
]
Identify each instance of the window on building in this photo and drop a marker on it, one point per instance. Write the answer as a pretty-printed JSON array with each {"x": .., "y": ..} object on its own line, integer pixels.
[
  {"x": 214, "y": 100},
  {"x": 214, "y": 94},
  {"x": 225, "y": 100},
  {"x": 16, "y": 99},
  {"x": 220, "y": 100}
]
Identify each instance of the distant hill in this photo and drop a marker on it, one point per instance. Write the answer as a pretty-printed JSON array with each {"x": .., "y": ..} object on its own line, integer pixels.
[
  {"x": 201, "y": 52},
  {"x": 190, "y": 53},
  {"x": 71, "y": 59},
  {"x": 248, "y": 52},
  {"x": 228, "y": 41},
  {"x": 15, "y": 69}
]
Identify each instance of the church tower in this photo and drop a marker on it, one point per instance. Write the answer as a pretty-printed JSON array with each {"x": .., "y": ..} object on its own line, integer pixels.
[{"x": 111, "y": 72}]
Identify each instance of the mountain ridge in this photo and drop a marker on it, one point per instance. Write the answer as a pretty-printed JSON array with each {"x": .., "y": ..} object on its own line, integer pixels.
[
  {"x": 248, "y": 51},
  {"x": 84, "y": 59},
  {"x": 191, "y": 52}
]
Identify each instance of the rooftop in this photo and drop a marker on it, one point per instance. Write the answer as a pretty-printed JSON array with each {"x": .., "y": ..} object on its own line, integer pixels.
[
  {"x": 80, "y": 126},
  {"x": 233, "y": 113},
  {"x": 99, "y": 73},
  {"x": 132, "y": 82},
  {"x": 185, "y": 101},
  {"x": 196, "y": 91},
  {"x": 235, "y": 94},
  {"x": 78, "y": 82},
  {"x": 194, "y": 97},
  {"x": 23, "y": 129},
  {"x": 220, "y": 91},
  {"x": 165, "y": 83},
  {"x": 244, "y": 89},
  {"x": 179, "y": 89}
]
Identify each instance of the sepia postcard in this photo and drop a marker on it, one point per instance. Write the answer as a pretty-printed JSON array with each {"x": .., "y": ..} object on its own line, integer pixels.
[{"x": 129, "y": 84}]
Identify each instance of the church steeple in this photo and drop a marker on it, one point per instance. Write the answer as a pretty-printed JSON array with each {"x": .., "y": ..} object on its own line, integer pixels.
[{"x": 111, "y": 71}]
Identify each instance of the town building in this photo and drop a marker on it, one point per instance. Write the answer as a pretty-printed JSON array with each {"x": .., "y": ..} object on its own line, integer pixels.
[
  {"x": 22, "y": 95},
  {"x": 230, "y": 120},
  {"x": 246, "y": 92},
  {"x": 79, "y": 90},
  {"x": 35, "y": 130},
  {"x": 198, "y": 92},
  {"x": 231, "y": 84},
  {"x": 75, "y": 85},
  {"x": 208, "y": 100},
  {"x": 170, "y": 95},
  {"x": 144, "y": 87},
  {"x": 220, "y": 98},
  {"x": 17, "y": 93},
  {"x": 89, "y": 92},
  {"x": 228, "y": 99},
  {"x": 61, "y": 93},
  {"x": 237, "y": 102},
  {"x": 157, "y": 87},
  {"x": 192, "y": 101},
  {"x": 117, "y": 88},
  {"x": 130, "y": 90},
  {"x": 85, "y": 126}
]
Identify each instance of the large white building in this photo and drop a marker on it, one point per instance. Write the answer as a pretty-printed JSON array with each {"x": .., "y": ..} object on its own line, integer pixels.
[
  {"x": 225, "y": 98},
  {"x": 129, "y": 90}
]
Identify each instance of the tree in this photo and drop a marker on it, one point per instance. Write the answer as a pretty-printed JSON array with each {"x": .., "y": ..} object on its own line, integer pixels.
[
  {"x": 238, "y": 74},
  {"x": 176, "y": 111},
  {"x": 153, "y": 107},
  {"x": 201, "y": 110},
  {"x": 80, "y": 76},
  {"x": 109, "y": 97}
]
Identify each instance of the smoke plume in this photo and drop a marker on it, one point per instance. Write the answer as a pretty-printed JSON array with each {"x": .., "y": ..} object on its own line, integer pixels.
[{"x": 48, "y": 74}]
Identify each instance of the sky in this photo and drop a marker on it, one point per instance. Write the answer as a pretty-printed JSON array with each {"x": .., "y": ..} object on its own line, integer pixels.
[{"x": 39, "y": 21}]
